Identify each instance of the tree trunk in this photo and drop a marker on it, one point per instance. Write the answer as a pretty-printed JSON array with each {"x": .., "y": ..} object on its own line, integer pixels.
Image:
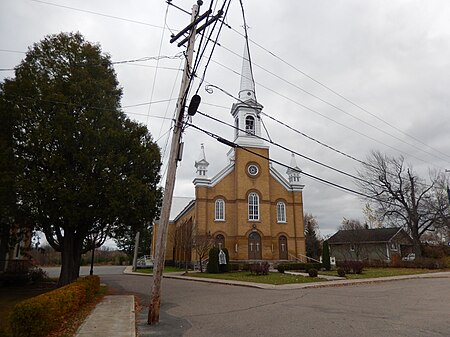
[
  {"x": 416, "y": 240},
  {"x": 70, "y": 259},
  {"x": 4, "y": 244}
]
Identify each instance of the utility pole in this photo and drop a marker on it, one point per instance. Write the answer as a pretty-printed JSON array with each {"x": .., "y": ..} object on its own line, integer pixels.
[{"x": 160, "y": 251}]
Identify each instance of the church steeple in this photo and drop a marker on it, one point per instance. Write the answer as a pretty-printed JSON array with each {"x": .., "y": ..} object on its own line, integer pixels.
[
  {"x": 247, "y": 88},
  {"x": 246, "y": 111}
]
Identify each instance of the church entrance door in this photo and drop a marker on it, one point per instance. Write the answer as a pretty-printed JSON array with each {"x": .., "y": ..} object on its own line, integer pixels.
[
  {"x": 254, "y": 246},
  {"x": 282, "y": 244}
]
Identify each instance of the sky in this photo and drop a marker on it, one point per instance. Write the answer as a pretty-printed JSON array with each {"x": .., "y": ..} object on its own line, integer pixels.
[{"x": 354, "y": 75}]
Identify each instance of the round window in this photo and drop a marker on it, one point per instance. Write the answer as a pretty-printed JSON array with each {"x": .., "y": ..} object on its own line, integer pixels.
[{"x": 253, "y": 170}]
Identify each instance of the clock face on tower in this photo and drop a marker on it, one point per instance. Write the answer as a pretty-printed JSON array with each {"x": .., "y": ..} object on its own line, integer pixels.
[{"x": 253, "y": 170}]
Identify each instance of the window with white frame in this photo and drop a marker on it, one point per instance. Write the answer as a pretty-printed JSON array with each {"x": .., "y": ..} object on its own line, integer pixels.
[
  {"x": 281, "y": 211},
  {"x": 253, "y": 206},
  {"x": 220, "y": 210}
]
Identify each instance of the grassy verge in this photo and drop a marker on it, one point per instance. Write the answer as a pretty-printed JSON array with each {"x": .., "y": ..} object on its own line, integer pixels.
[
  {"x": 271, "y": 278},
  {"x": 381, "y": 272},
  {"x": 167, "y": 269}
]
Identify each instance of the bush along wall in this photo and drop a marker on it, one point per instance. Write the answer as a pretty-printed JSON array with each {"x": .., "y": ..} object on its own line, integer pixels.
[
  {"x": 213, "y": 262},
  {"x": 37, "y": 316}
]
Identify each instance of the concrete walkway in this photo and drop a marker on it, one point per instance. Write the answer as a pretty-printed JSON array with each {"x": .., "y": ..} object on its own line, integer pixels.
[{"x": 114, "y": 316}]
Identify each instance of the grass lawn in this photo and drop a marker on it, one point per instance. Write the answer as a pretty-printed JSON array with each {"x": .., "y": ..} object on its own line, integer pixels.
[
  {"x": 167, "y": 269},
  {"x": 382, "y": 272},
  {"x": 271, "y": 278}
]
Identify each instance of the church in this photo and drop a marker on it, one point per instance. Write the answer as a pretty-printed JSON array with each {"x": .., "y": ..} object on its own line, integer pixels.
[{"x": 248, "y": 207}]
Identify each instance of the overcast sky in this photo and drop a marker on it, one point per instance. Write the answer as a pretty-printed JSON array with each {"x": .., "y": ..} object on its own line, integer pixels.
[{"x": 387, "y": 64}]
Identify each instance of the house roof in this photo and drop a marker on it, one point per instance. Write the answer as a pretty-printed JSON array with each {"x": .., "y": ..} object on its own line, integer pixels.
[
  {"x": 179, "y": 206},
  {"x": 365, "y": 235}
]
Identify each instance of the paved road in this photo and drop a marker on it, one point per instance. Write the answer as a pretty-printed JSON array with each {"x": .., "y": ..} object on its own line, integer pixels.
[
  {"x": 98, "y": 270},
  {"x": 410, "y": 308}
]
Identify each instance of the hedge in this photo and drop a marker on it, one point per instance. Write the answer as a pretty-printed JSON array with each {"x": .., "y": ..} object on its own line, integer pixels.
[
  {"x": 299, "y": 266},
  {"x": 37, "y": 316}
]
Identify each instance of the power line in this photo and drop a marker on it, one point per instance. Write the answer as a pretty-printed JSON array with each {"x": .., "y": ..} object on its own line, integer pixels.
[
  {"x": 334, "y": 106},
  {"x": 234, "y": 145},
  {"x": 286, "y": 149},
  {"x": 316, "y": 112},
  {"x": 339, "y": 95},
  {"x": 99, "y": 14}
]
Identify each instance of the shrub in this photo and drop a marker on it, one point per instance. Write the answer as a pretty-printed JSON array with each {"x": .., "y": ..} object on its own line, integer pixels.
[
  {"x": 281, "y": 268},
  {"x": 259, "y": 268},
  {"x": 234, "y": 267},
  {"x": 355, "y": 267},
  {"x": 213, "y": 262},
  {"x": 313, "y": 272},
  {"x": 341, "y": 272},
  {"x": 301, "y": 266},
  {"x": 37, "y": 316},
  {"x": 37, "y": 275}
]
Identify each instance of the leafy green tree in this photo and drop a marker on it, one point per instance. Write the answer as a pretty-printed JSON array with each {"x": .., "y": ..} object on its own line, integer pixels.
[
  {"x": 312, "y": 237},
  {"x": 85, "y": 168},
  {"x": 125, "y": 239}
]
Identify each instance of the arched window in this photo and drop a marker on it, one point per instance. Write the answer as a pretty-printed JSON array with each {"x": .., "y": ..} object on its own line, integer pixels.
[
  {"x": 281, "y": 212},
  {"x": 250, "y": 125},
  {"x": 236, "y": 124},
  {"x": 220, "y": 241},
  {"x": 220, "y": 210},
  {"x": 253, "y": 206}
]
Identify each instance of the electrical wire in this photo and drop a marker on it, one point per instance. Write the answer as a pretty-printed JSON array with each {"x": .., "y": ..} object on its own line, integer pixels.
[
  {"x": 338, "y": 94},
  {"x": 331, "y": 105},
  {"x": 234, "y": 145},
  {"x": 97, "y": 13},
  {"x": 285, "y": 148}
]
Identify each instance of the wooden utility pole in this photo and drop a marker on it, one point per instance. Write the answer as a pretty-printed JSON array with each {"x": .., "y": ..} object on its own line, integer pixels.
[{"x": 160, "y": 251}]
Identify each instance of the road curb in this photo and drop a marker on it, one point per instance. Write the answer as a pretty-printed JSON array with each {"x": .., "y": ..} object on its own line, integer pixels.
[{"x": 291, "y": 286}]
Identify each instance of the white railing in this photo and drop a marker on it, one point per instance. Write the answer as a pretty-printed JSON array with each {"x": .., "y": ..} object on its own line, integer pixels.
[
  {"x": 304, "y": 256},
  {"x": 145, "y": 261}
]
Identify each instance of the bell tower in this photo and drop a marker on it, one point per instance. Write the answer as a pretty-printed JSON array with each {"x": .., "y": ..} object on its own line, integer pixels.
[{"x": 246, "y": 112}]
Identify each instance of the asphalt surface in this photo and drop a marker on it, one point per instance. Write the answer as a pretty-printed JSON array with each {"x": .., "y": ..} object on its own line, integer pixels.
[{"x": 413, "y": 308}]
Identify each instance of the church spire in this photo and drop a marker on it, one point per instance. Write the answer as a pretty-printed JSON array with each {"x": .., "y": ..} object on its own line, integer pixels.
[
  {"x": 247, "y": 88},
  {"x": 246, "y": 111}
]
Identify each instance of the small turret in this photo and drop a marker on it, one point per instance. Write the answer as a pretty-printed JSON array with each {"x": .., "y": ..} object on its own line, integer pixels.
[{"x": 293, "y": 173}]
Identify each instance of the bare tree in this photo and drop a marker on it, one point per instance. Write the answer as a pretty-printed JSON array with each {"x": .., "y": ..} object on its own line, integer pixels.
[
  {"x": 355, "y": 236},
  {"x": 403, "y": 198},
  {"x": 202, "y": 244}
]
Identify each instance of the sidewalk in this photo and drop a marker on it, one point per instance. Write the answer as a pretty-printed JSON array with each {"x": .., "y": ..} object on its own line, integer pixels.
[{"x": 114, "y": 316}]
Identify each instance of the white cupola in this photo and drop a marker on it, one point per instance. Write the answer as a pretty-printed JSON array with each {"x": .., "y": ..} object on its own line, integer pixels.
[
  {"x": 202, "y": 169},
  {"x": 293, "y": 173}
]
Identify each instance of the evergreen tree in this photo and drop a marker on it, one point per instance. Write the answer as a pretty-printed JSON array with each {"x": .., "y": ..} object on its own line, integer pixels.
[
  {"x": 312, "y": 239},
  {"x": 82, "y": 167},
  {"x": 326, "y": 256}
]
